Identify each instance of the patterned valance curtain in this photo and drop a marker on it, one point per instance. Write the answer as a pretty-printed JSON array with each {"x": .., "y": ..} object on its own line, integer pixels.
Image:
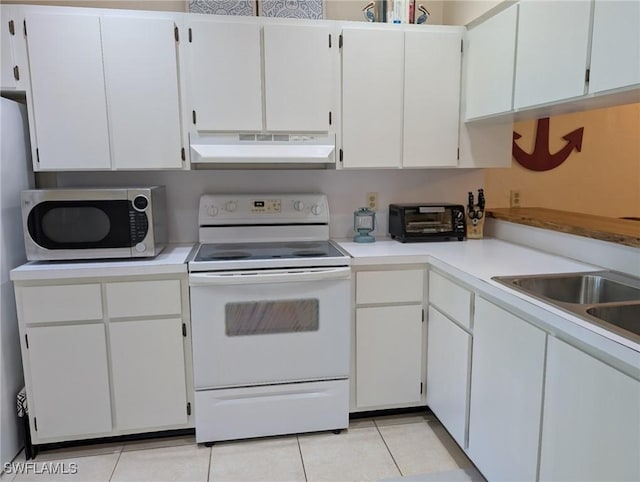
[{"x": 313, "y": 9}]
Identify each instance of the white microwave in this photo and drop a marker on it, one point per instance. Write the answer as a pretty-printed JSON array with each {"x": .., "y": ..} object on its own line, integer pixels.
[{"x": 72, "y": 224}]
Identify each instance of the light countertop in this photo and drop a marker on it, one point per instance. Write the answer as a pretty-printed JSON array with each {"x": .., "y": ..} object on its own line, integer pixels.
[
  {"x": 171, "y": 260},
  {"x": 476, "y": 261}
]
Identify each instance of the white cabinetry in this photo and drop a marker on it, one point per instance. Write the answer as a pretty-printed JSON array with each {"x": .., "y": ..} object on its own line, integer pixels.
[
  {"x": 431, "y": 98},
  {"x": 400, "y": 97},
  {"x": 106, "y": 357},
  {"x": 389, "y": 342},
  {"x": 552, "y": 51},
  {"x": 69, "y": 379},
  {"x": 591, "y": 427},
  {"x": 506, "y": 394},
  {"x": 372, "y": 101},
  {"x": 449, "y": 355},
  {"x": 104, "y": 91},
  {"x": 615, "y": 45},
  {"x": 230, "y": 58},
  {"x": 143, "y": 97},
  {"x": 11, "y": 39},
  {"x": 490, "y": 54},
  {"x": 67, "y": 92}
]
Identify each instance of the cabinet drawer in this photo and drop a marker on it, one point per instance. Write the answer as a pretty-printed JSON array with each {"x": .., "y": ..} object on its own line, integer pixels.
[
  {"x": 389, "y": 286},
  {"x": 43, "y": 304},
  {"x": 144, "y": 298},
  {"x": 450, "y": 298}
]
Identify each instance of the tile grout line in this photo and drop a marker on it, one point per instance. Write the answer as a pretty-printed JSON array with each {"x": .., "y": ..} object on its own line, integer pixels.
[
  {"x": 210, "y": 462},
  {"x": 304, "y": 470},
  {"x": 388, "y": 449},
  {"x": 116, "y": 464}
]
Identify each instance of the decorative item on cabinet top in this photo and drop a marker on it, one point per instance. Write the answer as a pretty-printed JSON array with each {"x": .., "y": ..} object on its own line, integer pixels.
[{"x": 308, "y": 9}]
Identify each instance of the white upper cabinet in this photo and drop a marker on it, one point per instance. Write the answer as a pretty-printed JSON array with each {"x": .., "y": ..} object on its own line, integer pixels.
[
  {"x": 372, "y": 99},
  {"x": 615, "y": 46},
  {"x": 141, "y": 72},
  {"x": 225, "y": 76},
  {"x": 298, "y": 80},
  {"x": 489, "y": 57},
  {"x": 552, "y": 50},
  {"x": 8, "y": 28},
  {"x": 431, "y": 98},
  {"x": 68, "y": 92},
  {"x": 245, "y": 76}
]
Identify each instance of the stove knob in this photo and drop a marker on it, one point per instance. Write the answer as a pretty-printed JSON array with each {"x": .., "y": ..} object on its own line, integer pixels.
[
  {"x": 316, "y": 209},
  {"x": 298, "y": 206},
  {"x": 231, "y": 206},
  {"x": 212, "y": 211},
  {"x": 140, "y": 247}
]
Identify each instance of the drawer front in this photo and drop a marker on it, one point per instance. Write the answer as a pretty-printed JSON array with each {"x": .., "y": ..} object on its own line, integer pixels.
[
  {"x": 450, "y": 298},
  {"x": 144, "y": 298},
  {"x": 397, "y": 286},
  {"x": 44, "y": 304},
  {"x": 271, "y": 410}
]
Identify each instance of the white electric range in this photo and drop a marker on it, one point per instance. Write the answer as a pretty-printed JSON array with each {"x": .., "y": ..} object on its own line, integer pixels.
[{"x": 270, "y": 315}]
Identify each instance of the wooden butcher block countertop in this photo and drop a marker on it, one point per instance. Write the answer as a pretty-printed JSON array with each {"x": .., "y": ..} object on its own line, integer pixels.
[{"x": 621, "y": 231}]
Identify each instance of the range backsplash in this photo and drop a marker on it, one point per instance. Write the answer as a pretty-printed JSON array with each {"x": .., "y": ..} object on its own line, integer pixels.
[{"x": 346, "y": 190}]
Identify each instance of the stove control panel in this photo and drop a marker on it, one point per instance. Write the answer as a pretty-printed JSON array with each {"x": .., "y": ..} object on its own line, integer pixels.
[{"x": 234, "y": 209}]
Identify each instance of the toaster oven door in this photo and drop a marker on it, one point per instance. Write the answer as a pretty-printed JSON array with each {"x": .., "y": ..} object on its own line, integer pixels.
[{"x": 428, "y": 220}]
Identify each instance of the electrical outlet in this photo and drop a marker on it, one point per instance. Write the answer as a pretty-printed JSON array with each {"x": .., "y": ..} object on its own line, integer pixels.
[
  {"x": 514, "y": 200},
  {"x": 372, "y": 201}
]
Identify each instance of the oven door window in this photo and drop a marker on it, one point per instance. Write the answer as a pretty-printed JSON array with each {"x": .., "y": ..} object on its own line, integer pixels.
[
  {"x": 270, "y": 317},
  {"x": 80, "y": 224}
]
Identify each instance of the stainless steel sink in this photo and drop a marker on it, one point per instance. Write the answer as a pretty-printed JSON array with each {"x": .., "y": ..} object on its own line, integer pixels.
[
  {"x": 605, "y": 298},
  {"x": 578, "y": 288}
]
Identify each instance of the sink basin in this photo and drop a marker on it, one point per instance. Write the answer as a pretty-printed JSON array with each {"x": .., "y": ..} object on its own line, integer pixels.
[
  {"x": 608, "y": 299},
  {"x": 578, "y": 288},
  {"x": 626, "y": 317}
]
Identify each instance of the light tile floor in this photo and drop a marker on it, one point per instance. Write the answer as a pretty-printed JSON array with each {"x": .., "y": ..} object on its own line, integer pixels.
[{"x": 412, "y": 446}]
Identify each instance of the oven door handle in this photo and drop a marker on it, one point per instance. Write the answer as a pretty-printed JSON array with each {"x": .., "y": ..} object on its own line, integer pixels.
[{"x": 279, "y": 276}]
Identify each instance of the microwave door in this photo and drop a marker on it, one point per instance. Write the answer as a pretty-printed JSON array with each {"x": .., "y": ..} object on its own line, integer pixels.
[{"x": 79, "y": 229}]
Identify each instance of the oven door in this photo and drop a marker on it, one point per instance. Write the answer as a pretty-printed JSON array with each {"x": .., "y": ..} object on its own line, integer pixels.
[{"x": 270, "y": 326}]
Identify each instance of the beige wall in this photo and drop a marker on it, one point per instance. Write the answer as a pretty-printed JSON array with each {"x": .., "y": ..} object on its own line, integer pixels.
[
  {"x": 461, "y": 12},
  {"x": 603, "y": 179}
]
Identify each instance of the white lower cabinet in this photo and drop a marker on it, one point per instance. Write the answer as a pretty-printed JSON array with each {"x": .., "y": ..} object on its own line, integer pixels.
[
  {"x": 506, "y": 394},
  {"x": 69, "y": 377},
  {"x": 122, "y": 369},
  {"x": 591, "y": 423},
  {"x": 148, "y": 371},
  {"x": 448, "y": 371},
  {"x": 389, "y": 349}
]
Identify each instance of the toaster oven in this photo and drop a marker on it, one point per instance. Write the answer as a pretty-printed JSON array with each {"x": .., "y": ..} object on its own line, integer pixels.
[{"x": 427, "y": 222}]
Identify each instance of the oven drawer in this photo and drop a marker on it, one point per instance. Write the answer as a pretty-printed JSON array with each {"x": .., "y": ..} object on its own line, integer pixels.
[{"x": 236, "y": 413}]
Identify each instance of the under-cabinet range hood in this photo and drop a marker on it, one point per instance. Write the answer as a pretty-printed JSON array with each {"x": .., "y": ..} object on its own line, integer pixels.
[{"x": 274, "y": 150}]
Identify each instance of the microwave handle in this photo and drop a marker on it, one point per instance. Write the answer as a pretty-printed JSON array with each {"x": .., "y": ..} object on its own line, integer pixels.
[{"x": 280, "y": 276}]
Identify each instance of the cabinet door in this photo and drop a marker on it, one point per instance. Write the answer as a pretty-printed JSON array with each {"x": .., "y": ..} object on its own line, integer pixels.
[
  {"x": 7, "y": 59},
  {"x": 147, "y": 364},
  {"x": 141, "y": 71},
  {"x": 553, "y": 41},
  {"x": 448, "y": 368},
  {"x": 506, "y": 394},
  {"x": 372, "y": 98},
  {"x": 490, "y": 53},
  {"x": 431, "y": 98},
  {"x": 297, "y": 93},
  {"x": 615, "y": 45},
  {"x": 226, "y": 76},
  {"x": 69, "y": 381},
  {"x": 591, "y": 428},
  {"x": 68, "y": 92},
  {"x": 388, "y": 355}
]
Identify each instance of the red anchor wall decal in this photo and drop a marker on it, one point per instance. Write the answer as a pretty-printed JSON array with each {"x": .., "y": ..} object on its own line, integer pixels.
[{"x": 541, "y": 159}]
